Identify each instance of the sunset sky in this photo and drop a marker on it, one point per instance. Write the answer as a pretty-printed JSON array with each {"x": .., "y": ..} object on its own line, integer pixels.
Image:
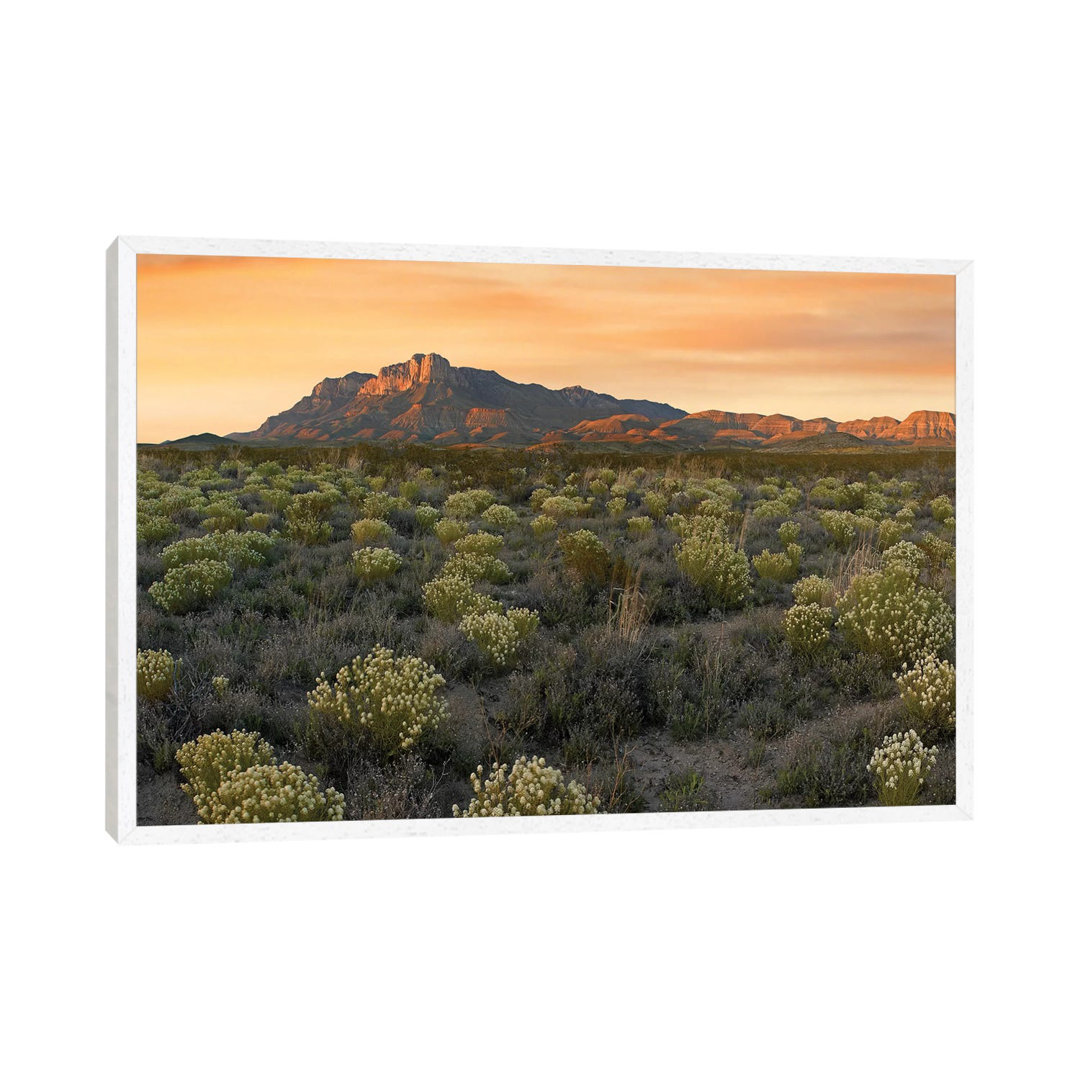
[{"x": 225, "y": 342}]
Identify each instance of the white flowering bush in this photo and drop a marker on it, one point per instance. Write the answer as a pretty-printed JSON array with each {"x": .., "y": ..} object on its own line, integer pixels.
[
  {"x": 499, "y": 636},
  {"x": 449, "y": 529},
  {"x": 892, "y": 532},
  {"x": 887, "y": 613},
  {"x": 840, "y": 525},
  {"x": 379, "y": 505},
  {"x": 942, "y": 508},
  {"x": 190, "y": 586},
  {"x": 375, "y": 564},
  {"x": 532, "y": 788},
  {"x": 426, "y": 517},
  {"x": 789, "y": 532},
  {"x": 237, "y": 549},
  {"x": 928, "y": 691},
  {"x": 235, "y": 779},
  {"x": 155, "y": 672},
  {"x": 905, "y": 553},
  {"x": 564, "y": 506},
  {"x": 813, "y": 590},
  {"x": 479, "y": 544},
  {"x": 449, "y": 597},
  {"x": 466, "y": 505},
  {"x": 899, "y": 768},
  {"x": 616, "y": 506},
  {"x": 476, "y": 567},
  {"x": 500, "y": 517},
  {"x": 712, "y": 563},
  {"x": 807, "y": 626},
  {"x": 543, "y": 525},
  {"x": 941, "y": 553},
  {"x": 655, "y": 503},
  {"x": 371, "y": 531},
  {"x": 585, "y": 557},
  {"x": 639, "y": 526},
  {"x": 220, "y": 684},
  {"x": 258, "y": 521},
  {"x": 772, "y": 509},
  {"x": 223, "y": 515},
  {"x": 779, "y": 565},
  {"x": 153, "y": 528},
  {"x": 389, "y": 701}
]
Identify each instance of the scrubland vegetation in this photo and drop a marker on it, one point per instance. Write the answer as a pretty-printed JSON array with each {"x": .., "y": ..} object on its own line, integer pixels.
[{"x": 371, "y": 633}]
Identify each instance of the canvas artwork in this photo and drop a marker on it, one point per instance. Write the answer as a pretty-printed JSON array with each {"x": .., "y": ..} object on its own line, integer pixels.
[{"x": 422, "y": 539}]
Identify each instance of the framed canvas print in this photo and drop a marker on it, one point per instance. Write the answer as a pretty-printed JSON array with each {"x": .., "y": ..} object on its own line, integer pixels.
[{"x": 424, "y": 539}]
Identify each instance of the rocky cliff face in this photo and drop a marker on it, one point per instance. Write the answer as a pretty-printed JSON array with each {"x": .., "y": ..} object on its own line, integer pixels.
[{"x": 427, "y": 399}]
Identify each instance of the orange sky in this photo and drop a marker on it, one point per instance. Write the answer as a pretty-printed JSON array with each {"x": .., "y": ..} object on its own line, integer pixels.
[{"x": 225, "y": 342}]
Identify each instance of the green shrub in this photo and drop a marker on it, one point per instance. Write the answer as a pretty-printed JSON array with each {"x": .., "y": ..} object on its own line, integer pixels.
[
  {"x": 220, "y": 684},
  {"x": 375, "y": 564},
  {"x": 543, "y": 525},
  {"x": 238, "y": 550},
  {"x": 807, "y": 626},
  {"x": 639, "y": 526},
  {"x": 479, "y": 544},
  {"x": 185, "y": 588},
  {"x": 779, "y": 565},
  {"x": 473, "y": 567},
  {"x": 616, "y": 506},
  {"x": 235, "y": 779},
  {"x": 899, "y": 768},
  {"x": 386, "y": 701},
  {"x": 563, "y": 506},
  {"x": 466, "y": 505},
  {"x": 223, "y": 515},
  {"x": 683, "y": 792},
  {"x": 904, "y": 553},
  {"x": 426, "y": 517},
  {"x": 585, "y": 558},
  {"x": 712, "y": 563},
  {"x": 500, "y": 517},
  {"x": 840, "y": 525},
  {"x": 371, "y": 531},
  {"x": 498, "y": 636},
  {"x": 888, "y": 614},
  {"x": 814, "y": 590},
  {"x": 771, "y": 510},
  {"x": 533, "y": 788},
  {"x": 656, "y": 505},
  {"x": 259, "y": 522},
  {"x": 155, "y": 673},
  {"x": 305, "y": 518},
  {"x": 789, "y": 532},
  {"x": 928, "y": 691},
  {"x": 379, "y": 505},
  {"x": 153, "y": 528},
  {"x": 891, "y": 533},
  {"x": 449, "y": 597},
  {"x": 448, "y": 530},
  {"x": 942, "y": 508}
]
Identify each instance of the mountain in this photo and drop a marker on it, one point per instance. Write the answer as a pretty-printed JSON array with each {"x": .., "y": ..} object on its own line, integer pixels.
[
  {"x": 426, "y": 399},
  {"x": 206, "y": 441}
]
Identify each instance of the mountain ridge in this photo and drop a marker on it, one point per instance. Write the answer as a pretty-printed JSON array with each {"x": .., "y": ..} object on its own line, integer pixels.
[{"x": 426, "y": 399}]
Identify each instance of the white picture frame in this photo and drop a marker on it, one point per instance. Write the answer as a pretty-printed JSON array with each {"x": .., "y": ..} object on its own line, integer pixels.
[{"x": 121, "y": 648}]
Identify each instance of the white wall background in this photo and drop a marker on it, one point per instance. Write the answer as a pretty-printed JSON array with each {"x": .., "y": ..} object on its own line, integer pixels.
[{"x": 923, "y": 129}]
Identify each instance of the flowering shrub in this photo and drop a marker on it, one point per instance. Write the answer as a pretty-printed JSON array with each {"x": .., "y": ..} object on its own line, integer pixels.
[
  {"x": 772, "y": 509},
  {"x": 499, "y": 636},
  {"x": 479, "y": 544},
  {"x": 562, "y": 506},
  {"x": 533, "y": 788},
  {"x": 224, "y": 514},
  {"x": 779, "y": 565},
  {"x": 389, "y": 701},
  {"x": 475, "y": 567},
  {"x": 656, "y": 504},
  {"x": 807, "y": 626},
  {"x": 220, "y": 684},
  {"x": 616, "y": 506},
  {"x": 639, "y": 526},
  {"x": 500, "y": 517},
  {"x": 449, "y": 598},
  {"x": 448, "y": 530},
  {"x": 928, "y": 690},
  {"x": 941, "y": 553},
  {"x": 259, "y": 521},
  {"x": 813, "y": 590},
  {"x": 235, "y": 779},
  {"x": 153, "y": 528},
  {"x": 584, "y": 556},
  {"x": 185, "y": 588},
  {"x": 679, "y": 524},
  {"x": 899, "y": 768},
  {"x": 904, "y": 553},
  {"x": 889, "y": 614},
  {"x": 379, "y": 504},
  {"x": 711, "y": 562},
  {"x": 426, "y": 517},
  {"x": 789, "y": 532},
  {"x": 840, "y": 525},
  {"x": 375, "y": 564},
  {"x": 906, "y": 516},
  {"x": 155, "y": 671},
  {"x": 891, "y": 532},
  {"x": 371, "y": 531},
  {"x": 466, "y": 505},
  {"x": 237, "y": 549},
  {"x": 942, "y": 508},
  {"x": 305, "y": 519}
]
